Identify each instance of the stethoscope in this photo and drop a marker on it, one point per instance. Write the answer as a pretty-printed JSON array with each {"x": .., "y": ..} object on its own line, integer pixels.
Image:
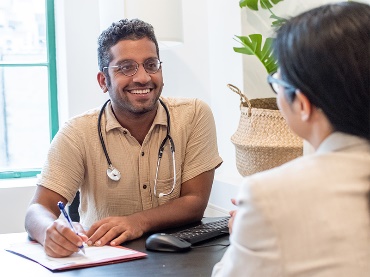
[{"x": 114, "y": 174}]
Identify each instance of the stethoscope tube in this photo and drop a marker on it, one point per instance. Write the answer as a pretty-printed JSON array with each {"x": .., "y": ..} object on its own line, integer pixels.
[{"x": 114, "y": 174}]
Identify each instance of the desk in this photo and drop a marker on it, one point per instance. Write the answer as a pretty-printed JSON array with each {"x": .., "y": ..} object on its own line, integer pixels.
[{"x": 196, "y": 262}]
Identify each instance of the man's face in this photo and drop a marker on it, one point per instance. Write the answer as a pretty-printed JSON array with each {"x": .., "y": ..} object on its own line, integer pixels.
[{"x": 139, "y": 93}]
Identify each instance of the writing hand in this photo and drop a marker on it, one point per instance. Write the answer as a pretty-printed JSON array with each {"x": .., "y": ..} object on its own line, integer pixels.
[
  {"x": 114, "y": 230},
  {"x": 61, "y": 241}
]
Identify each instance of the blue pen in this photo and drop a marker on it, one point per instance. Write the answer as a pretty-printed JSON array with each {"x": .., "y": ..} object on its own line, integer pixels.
[{"x": 61, "y": 208}]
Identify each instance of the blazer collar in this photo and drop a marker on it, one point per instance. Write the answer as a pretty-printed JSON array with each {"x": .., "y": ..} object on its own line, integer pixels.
[{"x": 338, "y": 141}]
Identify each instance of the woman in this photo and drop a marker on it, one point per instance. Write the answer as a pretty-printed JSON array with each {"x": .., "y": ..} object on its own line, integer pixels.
[{"x": 310, "y": 217}]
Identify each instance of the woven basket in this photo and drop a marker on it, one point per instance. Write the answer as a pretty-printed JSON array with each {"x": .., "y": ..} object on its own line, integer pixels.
[{"x": 262, "y": 140}]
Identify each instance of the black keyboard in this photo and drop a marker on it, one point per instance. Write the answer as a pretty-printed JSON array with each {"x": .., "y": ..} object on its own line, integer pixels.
[{"x": 204, "y": 231}]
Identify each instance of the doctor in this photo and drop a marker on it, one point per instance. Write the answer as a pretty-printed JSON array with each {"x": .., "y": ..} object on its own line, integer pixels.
[{"x": 141, "y": 162}]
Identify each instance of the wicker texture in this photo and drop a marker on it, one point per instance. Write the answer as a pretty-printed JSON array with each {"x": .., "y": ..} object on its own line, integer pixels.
[{"x": 262, "y": 140}]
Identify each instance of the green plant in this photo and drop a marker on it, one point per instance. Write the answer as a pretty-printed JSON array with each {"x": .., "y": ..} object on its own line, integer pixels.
[{"x": 253, "y": 44}]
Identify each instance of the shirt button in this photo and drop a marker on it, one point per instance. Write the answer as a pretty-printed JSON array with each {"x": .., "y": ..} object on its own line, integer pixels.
[
  {"x": 142, "y": 153},
  {"x": 144, "y": 186},
  {"x": 124, "y": 132}
]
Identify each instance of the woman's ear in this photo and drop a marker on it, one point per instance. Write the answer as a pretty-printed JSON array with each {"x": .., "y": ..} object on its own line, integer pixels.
[
  {"x": 304, "y": 105},
  {"x": 102, "y": 81}
]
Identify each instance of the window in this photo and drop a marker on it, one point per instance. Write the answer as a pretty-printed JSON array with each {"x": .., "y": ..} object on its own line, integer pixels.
[{"x": 28, "y": 94}]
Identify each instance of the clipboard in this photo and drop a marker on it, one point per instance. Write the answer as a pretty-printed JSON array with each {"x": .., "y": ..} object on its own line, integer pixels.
[{"x": 95, "y": 256}]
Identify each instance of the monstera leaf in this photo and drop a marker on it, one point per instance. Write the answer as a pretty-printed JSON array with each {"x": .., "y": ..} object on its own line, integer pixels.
[
  {"x": 253, "y": 4},
  {"x": 265, "y": 4},
  {"x": 277, "y": 20},
  {"x": 252, "y": 45}
]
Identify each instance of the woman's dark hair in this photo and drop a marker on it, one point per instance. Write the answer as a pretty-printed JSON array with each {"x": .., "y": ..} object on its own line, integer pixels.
[
  {"x": 124, "y": 29},
  {"x": 325, "y": 52}
]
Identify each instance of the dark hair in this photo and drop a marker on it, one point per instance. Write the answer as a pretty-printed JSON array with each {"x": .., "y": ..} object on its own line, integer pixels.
[
  {"x": 125, "y": 29},
  {"x": 325, "y": 53}
]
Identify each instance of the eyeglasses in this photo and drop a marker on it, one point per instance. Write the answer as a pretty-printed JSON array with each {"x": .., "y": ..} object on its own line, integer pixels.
[
  {"x": 130, "y": 67},
  {"x": 275, "y": 83}
]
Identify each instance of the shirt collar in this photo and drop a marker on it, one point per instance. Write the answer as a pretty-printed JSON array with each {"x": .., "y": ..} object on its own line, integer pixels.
[
  {"x": 112, "y": 122},
  {"x": 161, "y": 116}
]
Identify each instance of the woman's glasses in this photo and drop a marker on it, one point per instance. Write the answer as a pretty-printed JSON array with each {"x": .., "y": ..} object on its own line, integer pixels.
[{"x": 274, "y": 82}]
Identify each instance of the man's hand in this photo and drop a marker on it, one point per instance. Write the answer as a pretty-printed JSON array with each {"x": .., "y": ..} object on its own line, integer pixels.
[
  {"x": 114, "y": 230},
  {"x": 43, "y": 225},
  {"x": 61, "y": 241},
  {"x": 232, "y": 214}
]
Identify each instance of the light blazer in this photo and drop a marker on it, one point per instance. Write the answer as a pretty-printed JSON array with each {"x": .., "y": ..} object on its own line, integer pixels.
[{"x": 309, "y": 217}]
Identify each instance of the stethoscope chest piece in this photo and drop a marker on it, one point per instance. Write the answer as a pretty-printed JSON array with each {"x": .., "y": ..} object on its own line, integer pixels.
[{"x": 113, "y": 173}]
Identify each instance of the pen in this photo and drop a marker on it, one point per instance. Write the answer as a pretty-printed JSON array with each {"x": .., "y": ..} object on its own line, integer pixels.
[{"x": 61, "y": 208}]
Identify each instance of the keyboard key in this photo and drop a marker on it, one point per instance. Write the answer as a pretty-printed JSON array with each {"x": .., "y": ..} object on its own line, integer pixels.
[{"x": 204, "y": 231}]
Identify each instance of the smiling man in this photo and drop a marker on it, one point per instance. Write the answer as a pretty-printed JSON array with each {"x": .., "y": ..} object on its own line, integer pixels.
[{"x": 141, "y": 162}]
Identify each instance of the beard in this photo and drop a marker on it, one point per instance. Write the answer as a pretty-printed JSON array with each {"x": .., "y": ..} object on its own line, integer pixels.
[{"x": 133, "y": 104}]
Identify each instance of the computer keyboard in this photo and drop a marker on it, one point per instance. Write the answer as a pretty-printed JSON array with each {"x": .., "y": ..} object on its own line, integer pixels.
[{"x": 204, "y": 231}]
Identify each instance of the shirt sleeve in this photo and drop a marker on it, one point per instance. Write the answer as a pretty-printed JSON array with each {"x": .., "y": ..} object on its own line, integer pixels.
[
  {"x": 201, "y": 152},
  {"x": 63, "y": 171}
]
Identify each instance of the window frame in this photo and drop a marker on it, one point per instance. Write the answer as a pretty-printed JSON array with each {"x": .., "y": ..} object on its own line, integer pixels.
[{"x": 52, "y": 88}]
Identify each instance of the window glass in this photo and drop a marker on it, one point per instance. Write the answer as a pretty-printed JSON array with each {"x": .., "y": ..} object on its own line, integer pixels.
[
  {"x": 24, "y": 87},
  {"x": 23, "y": 31},
  {"x": 25, "y": 116}
]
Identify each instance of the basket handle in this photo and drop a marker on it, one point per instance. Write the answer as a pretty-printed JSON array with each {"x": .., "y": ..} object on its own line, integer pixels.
[{"x": 244, "y": 101}]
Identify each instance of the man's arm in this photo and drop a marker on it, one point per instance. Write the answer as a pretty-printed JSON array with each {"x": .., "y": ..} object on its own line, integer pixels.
[
  {"x": 43, "y": 225},
  {"x": 189, "y": 207}
]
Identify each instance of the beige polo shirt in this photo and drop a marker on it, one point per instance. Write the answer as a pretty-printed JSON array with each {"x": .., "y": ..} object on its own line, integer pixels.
[{"x": 76, "y": 160}]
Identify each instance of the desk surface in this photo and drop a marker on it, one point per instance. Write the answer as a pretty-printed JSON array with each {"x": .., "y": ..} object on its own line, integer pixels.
[{"x": 196, "y": 262}]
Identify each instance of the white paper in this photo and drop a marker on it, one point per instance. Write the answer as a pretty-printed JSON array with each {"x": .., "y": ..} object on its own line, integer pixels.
[{"x": 94, "y": 255}]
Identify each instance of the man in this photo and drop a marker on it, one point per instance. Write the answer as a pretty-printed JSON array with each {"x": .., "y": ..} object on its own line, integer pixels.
[
  {"x": 310, "y": 217},
  {"x": 140, "y": 162}
]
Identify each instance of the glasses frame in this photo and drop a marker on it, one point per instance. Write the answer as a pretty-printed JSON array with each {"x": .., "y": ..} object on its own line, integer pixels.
[
  {"x": 272, "y": 79},
  {"x": 137, "y": 67}
]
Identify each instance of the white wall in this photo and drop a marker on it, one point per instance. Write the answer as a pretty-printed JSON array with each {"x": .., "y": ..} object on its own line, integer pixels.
[{"x": 15, "y": 196}]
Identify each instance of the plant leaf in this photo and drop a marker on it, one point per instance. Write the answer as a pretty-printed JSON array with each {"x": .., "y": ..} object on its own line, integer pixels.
[
  {"x": 252, "y": 45},
  {"x": 253, "y": 4},
  {"x": 278, "y": 21}
]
